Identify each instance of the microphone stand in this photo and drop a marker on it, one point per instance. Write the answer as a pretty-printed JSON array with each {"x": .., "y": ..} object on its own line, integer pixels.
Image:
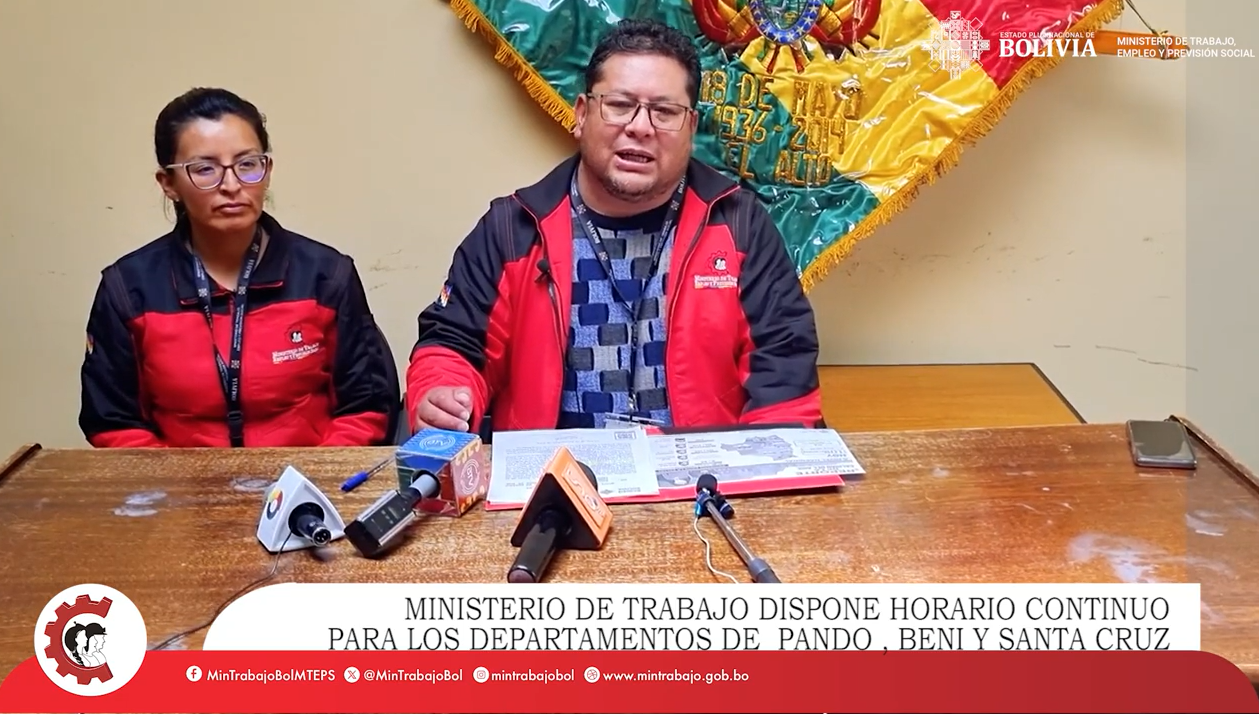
[{"x": 718, "y": 508}]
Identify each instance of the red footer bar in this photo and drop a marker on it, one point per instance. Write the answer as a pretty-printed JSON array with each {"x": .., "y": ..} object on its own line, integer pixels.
[{"x": 644, "y": 682}]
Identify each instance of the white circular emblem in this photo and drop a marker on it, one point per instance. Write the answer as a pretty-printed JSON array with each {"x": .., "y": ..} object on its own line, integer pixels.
[
  {"x": 436, "y": 442},
  {"x": 90, "y": 640},
  {"x": 469, "y": 475}
]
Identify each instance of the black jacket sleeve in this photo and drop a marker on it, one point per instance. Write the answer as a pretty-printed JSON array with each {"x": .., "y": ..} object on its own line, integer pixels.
[
  {"x": 364, "y": 378},
  {"x": 782, "y": 381},
  {"x": 111, "y": 413},
  {"x": 464, "y": 334}
]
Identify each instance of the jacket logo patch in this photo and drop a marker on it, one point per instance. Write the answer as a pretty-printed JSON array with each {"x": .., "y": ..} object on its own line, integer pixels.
[
  {"x": 281, "y": 356},
  {"x": 302, "y": 351},
  {"x": 720, "y": 278},
  {"x": 443, "y": 298}
]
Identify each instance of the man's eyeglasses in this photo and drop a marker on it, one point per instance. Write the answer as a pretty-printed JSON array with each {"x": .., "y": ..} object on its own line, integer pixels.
[
  {"x": 617, "y": 109},
  {"x": 207, "y": 175}
]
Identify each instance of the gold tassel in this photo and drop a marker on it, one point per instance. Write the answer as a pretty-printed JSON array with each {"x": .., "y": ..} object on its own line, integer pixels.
[
  {"x": 1105, "y": 12},
  {"x": 538, "y": 88}
]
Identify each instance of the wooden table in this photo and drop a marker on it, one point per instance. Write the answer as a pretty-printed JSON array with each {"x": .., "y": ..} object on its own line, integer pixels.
[
  {"x": 1017, "y": 504},
  {"x": 896, "y": 397}
]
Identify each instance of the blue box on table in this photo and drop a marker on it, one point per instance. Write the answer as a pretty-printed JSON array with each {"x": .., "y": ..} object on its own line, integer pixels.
[{"x": 457, "y": 459}]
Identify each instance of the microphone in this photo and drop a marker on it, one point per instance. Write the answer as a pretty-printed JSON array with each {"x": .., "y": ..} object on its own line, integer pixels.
[
  {"x": 457, "y": 460},
  {"x": 307, "y": 521},
  {"x": 565, "y": 510},
  {"x": 296, "y": 515},
  {"x": 544, "y": 273},
  {"x": 710, "y": 501},
  {"x": 376, "y": 529}
]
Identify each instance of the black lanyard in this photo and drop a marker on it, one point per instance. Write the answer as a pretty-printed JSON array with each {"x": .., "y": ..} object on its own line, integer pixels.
[
  {"x": 601, "y": 252},
  {"x": 229, "y": 372}
]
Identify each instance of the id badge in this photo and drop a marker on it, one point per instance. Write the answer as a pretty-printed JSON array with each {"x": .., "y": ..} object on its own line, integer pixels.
[{"x": 621, "y": 421}]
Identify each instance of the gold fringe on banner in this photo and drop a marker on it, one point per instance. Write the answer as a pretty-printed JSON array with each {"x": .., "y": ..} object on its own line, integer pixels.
[
  {"x": 553, "y": 104},
  {"x": 538, "y": 88}
]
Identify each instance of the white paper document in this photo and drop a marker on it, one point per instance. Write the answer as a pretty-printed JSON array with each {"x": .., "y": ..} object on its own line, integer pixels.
[
  {"x": 747, "y": 460},
  {"x": 620, "y": 458},
  {"x": 635, "y": 465}
]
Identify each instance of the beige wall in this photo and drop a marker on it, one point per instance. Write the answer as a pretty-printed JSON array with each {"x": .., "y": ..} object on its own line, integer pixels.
[{"x": 1060, "y": 239}]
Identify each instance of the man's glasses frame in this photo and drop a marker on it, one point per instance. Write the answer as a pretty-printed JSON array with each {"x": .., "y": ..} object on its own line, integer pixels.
[
  {"x": 245, "y": 176},
  {"x": 657, "y": 112}
]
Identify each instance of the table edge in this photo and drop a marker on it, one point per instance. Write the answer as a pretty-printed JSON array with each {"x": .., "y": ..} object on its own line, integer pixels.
[
  {"x": 24, "y": 454},
  {"x": 1214, "y": 446},
  {"x": 1057, "y": 392},
  {"x": 15, "y": 460}
]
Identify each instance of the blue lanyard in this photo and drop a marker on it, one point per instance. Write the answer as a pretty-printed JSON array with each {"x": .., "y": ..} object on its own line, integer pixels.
[
  {"x": 601, "y": 253},
  {"x": 229, "y": 371}
]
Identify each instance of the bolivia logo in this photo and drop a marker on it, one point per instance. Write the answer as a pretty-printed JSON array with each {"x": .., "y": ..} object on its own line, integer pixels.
[
  {"x": 90, "y": 640},
  {"x": 275, "y": 499}
]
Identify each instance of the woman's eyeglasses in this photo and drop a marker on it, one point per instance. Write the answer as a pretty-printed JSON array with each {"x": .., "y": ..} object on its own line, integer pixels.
[{"x": 207, "y": 175}]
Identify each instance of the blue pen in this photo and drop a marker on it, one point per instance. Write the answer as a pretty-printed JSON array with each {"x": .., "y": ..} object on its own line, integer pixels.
[{"x": 357, "y": 479}]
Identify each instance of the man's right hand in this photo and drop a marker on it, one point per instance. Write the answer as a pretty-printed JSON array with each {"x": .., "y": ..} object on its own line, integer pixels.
[{"x": 448, "y": 408}]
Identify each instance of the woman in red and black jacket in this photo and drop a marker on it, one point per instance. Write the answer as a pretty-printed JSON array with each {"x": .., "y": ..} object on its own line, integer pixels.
[{"x": 231, "y": 330}]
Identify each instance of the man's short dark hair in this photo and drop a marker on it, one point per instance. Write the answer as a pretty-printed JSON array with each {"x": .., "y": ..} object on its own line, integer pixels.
[{"x": 647, "y": 37}]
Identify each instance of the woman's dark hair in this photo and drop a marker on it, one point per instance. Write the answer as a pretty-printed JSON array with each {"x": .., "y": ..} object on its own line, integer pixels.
[
  {"x": 70, "y": 639},
  {"x": 201, "y": 103}
]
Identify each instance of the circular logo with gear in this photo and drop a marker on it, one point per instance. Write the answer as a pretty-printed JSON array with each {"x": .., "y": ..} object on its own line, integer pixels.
[{"x": 90, "y": 640}]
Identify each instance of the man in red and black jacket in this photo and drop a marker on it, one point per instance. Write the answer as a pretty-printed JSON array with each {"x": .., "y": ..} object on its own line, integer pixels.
[{"x": 556, "y": 308}]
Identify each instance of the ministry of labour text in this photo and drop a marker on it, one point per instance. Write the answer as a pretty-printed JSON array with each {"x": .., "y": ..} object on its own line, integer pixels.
[{"x": 829, "y": 609}]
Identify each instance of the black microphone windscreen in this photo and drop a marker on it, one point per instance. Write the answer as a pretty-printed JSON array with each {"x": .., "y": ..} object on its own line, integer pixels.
[
  {"x": 707, "y": 482},
  {"x": 590, "y": 474}
]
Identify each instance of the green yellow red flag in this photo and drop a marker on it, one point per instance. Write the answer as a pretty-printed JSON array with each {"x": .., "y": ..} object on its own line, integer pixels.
[{"x": 834, "y": 111}]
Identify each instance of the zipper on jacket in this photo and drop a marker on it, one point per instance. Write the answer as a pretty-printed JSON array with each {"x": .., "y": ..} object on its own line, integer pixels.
[
  {"x": 551, "y": 289},
  {"x": 686, "y": 261},
  {"x": 555, "y": 305}
]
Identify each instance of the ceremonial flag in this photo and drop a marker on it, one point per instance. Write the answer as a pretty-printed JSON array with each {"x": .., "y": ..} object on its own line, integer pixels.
[{"x": 834, "y": 111}]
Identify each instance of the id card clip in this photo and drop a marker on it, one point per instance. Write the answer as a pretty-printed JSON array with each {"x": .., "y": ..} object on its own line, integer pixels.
[{"x": 625, "y": 421}]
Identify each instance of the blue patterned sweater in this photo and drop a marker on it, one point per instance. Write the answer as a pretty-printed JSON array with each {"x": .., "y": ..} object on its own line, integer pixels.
[{"x": 597, "y": 375}]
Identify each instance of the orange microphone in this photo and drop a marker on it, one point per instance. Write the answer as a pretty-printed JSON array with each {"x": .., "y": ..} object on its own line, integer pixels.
[{"x": 565, "y": 510}]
